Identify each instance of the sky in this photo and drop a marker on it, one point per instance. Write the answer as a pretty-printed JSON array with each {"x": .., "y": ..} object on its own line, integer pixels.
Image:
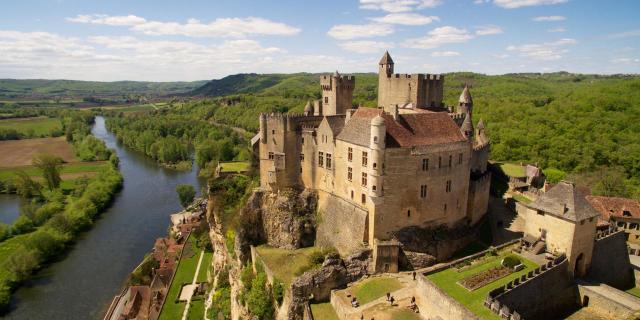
[{"x": 158, "y": 40}]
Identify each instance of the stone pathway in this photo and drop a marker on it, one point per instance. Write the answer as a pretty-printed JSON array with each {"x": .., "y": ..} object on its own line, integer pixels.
[{"x": 191, "y": 287}]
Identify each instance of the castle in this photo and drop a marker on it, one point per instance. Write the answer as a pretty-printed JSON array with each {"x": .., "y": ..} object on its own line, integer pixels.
[{"x": 411, "y": 162}]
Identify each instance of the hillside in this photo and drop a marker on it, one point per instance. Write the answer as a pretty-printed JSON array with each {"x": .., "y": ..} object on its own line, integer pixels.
[
  {"x": 582, "y": 124},
  {"x": 38, "y": 88}
]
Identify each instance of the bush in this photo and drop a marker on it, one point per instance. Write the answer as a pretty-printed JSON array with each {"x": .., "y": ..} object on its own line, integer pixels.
[
  {"x": 5, "y": 297},
  {"x": 22, "y": 225},
  {"x": 5, "y": 231},
  {"x": 278, "y": 290},
  {"x": 259, "y": 298},
  {"x": 186, "y": 194},
  {"x": 220, "y": 304},
  {"x": 510, "y": 261}
]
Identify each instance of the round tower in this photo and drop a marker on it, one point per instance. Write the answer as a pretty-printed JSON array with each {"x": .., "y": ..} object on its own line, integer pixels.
[
  {"x": 376, "y": 144},
  {"x": 465, "y": 103},
  {"x": 467, "y": 127}
]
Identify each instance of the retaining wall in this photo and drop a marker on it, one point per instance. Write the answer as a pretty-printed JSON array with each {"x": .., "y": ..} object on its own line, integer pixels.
[{"x": 434, "y": 302}]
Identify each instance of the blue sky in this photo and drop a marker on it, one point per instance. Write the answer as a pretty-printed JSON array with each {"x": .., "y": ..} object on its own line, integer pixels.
[{"x": 194, "y": 40}]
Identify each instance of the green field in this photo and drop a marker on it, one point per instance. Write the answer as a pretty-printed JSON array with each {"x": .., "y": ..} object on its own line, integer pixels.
[
  {"x": 69, "y": 168},
  {"x": 36, "y": 126},
  {"x": 206, "y": 262},
  {"x": 235, "y": 166},
  {"x": 196, "y": 310},
  {"x": 323, "y": 311},
  {"x": 512, "y": 170},
  {"x": 473, "y": 300},
  {"x": 284, "y": 263},
  {"x": 136, "y": 108},
  {"x": 374, "y": 288}
]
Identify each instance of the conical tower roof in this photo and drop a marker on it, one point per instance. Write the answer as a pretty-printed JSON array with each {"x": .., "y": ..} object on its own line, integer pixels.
[
  {"x": 308, "y": 108},
  {"x": 480, "y": 124},
  {"x": 386, "y": 58},
  {"x": 467, "y": 126},
  {"x": 465, "y": 96}
]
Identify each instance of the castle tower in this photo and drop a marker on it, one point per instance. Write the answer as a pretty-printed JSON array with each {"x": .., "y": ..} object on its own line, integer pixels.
[
  {"x": 467, "y": 127},
  {"x": 385, "y": 71},
  {"x": 263, "y": 128},
  {"x": 308, "y": 109},
  {"x": 377, "y": 146},
  {"x": 385, "y": 65},
  {"x": 481, "y": 137},
  {"x": 465, "y": 103},
  {"x": 337, "y": 93}
]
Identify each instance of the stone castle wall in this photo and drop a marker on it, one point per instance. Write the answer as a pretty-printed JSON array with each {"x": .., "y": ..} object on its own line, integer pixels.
[
  {"x": 478, "y": 203},
  {"x": 423, "y": 90},
  {"x": 610, "y": 263},
  {"x": 342, "y": 224},
  {"x": 434, "y": 302},
  {"x": 607, "y": 301}
]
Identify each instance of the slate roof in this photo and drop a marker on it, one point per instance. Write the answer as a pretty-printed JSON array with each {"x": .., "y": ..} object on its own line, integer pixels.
[
  {"x": 465, "y": 96},
  {"x": 417, "y": 129},
  {"x": 566, "y": 201},
  {"x": 386, "y": 58},
  {"x": 336, "y": 123},
  {"x": 616, "y": 207}
]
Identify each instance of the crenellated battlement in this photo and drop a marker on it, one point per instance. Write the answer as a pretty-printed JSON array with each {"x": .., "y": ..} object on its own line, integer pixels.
[
  {"x": 481, "y": 147},
  {"x": 602, "y": 234}
]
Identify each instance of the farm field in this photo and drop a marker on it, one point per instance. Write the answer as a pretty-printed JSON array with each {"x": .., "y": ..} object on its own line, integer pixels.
[
  {"x": 38, "y": 126},
  {"x": 20, "y": 153}
]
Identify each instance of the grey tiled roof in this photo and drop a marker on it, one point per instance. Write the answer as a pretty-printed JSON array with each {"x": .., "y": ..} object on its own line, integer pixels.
[
  {"x": 336, "y": 123},
  {"x": 358, "y": 129},
  {"x": 567, "y": 201}
]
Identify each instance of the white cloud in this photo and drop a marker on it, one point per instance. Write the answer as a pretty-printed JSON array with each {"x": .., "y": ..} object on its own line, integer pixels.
[
  {"x": 438, "y": 54},
  {"x": 625, "y": 60},
  {"x": 543, "y": 51},
  {"x": 354, "y": 31},
  {"x": 388, "y": 5},
  {"x": 500, "y": 56},
  {"x": 549, "y": 18},
  {"x": 481, "y": 1},
  {"x": 411, "y": 19},
  {"x": 365, "y": 46},
  {"x": 488, "y": 30},
  {"x": 560, "y": 29},
  {"x": 429, "y": 4},
  {"x": 221, "y": 27},
  {"x": 513, "y": 4},
  {"x": 438, "y": 37}
]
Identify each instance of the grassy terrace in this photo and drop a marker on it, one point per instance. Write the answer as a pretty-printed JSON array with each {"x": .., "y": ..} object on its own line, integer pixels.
[
  {"x": 520, "y": 198},
  {"x": 374, "y": 288},
  {"x": 323, "y": 311},
  {"x": 236, "y": 166},
  {"x": 634, "y": 291},
  {"x": 196, "y": 310},
  {"x": 512, "y": 170},
  {"x": 473, "y": 300},
  {"x": 284, "y": 263},
  {"x": 38, "y": 125}
]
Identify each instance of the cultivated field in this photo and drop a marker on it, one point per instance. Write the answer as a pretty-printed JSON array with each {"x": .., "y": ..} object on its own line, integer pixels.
[
  {"x": 19, "y": 153},
  {"x": 37, "y": 125}
]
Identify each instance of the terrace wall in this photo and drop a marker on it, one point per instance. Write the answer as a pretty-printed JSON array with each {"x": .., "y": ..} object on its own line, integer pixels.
[
  {"x": 610, "y": 263},
  {"x": 436, "y": 303},
  {"x": 607, "y": 301}
]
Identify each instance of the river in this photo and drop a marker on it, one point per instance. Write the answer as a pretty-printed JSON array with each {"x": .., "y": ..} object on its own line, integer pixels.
[
  {"x": 82, "y": 284},
  {"x": 9, "y": 208}
]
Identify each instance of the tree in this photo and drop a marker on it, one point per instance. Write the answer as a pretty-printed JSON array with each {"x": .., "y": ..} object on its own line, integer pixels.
[
  {"x": 25, "y": 186},
  {"x": 22, "y": 263},
  {"x": 50, "y": 167},
  {"x": 186, "y": 193}
]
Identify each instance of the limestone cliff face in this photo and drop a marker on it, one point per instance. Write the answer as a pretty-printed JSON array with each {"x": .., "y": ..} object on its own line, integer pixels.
[{"x": 284, "y": 220}]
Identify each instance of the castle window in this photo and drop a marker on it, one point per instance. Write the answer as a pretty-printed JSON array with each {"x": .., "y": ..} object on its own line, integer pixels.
[
  {"x": 363, "y": 198},
  {"x": 349, "y": 154},
  {"x": 326, "y": 99},
  {"x": 374, "y": 188},
  {"x": 328, "y": 160},
  {"x": 448, "y": 188},
  {"x": 445, "y": 207},
  {"x": 423, "y": 191},
  {"x": 409, "y": 213},
  {"x": 320, "y": 159},
  {"x": 450, "y": 158},
  {"x": 364, "y": 179},
  {"x": 302, "y": 157},
  {"x": 459, "y": 158},
  {"x": 302, "y": 140},
  {"x": 351, "y": 194},
  {"x": 364, "y": 159},
  {"x": 375, "y": 139},
  {"x": 271, "y": 156},
  {"x": 375, "y": 165},
  {"x": 439, "y": 162},
  {"x": 425, "y": 164},
  {"x": 349, "y": 174}
]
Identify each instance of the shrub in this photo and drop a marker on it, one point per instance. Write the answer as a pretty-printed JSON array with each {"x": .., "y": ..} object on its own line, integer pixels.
[
  {"x": 259, "y": 299},
  {"x": 186, "y": 193},
  {"x": 5, "y": 297},
  {"x": 278, "y": 290},
  {"x": 510, "y": 261},
  {"x": 22, "y": 225},
  {"x": 220, "y": 304},
  {"x": 5, "y": 231}
]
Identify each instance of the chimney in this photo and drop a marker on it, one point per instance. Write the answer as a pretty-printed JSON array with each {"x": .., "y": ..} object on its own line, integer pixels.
[{"x": 396, "y": 113}]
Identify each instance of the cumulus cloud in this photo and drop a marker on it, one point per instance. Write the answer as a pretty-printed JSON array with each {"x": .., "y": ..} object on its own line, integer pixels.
[
  {"x": 411, "y": 19},
  {"x": 365, "y": 46},
  {"x": 513, "y": 4},
  {"x": 543, "y": 51},
  {"x": 221, "y": 27},
  {"x": 549, "y": 18},
  {"x": 438, "y": 37},
  {"x": 488, "y": 30},
  {"x": 355, "y": 31},
  {"x": 438, "y": 54},
  {"x": 396, "y": 6}
]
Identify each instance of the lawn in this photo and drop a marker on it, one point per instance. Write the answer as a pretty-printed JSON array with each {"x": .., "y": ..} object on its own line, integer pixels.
[
  {"x": 512, "y": 170},
  {"x": 323, "y": 311},
  {"x": 284, "y": 263},
  {"x": 374, "y": 288},
  {"x": 37, "y": 126},
  {"x": 196, "y": 310},
  {"x": 186, "y": 268},
  {"x": 520, "y": 198},
  {"x": 236, "y": 166},
  {"x": 634, "y": 291},
  {"x": 473, "y": 300},
  {"x": 206, "y": 262}
]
